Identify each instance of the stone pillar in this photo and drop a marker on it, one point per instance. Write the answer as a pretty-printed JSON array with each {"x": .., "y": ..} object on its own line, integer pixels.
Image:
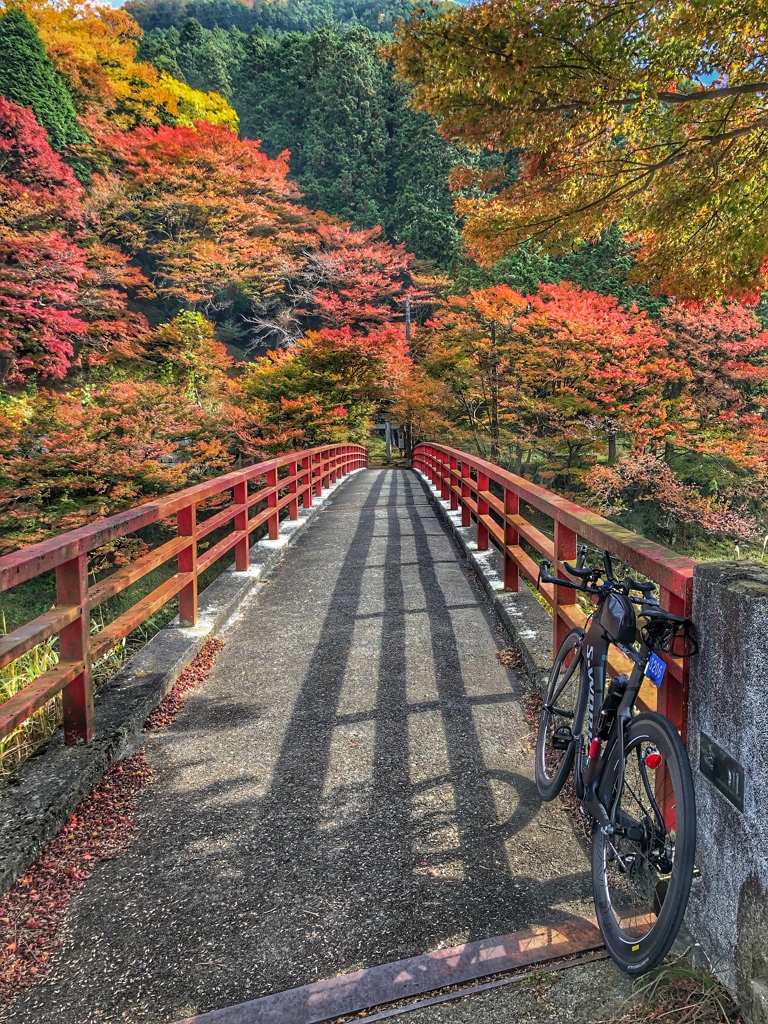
[{"x": 728, "y": 748}]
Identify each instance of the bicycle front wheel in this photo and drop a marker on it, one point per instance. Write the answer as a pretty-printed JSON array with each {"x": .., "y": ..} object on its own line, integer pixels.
[
  {"x": 563, "y": 707},
  {"x": 641, "y": 875}
]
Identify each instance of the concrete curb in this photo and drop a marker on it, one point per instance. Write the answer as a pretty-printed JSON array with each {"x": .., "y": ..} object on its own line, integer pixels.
[
  {"x": 40, "y": 797},
  {"x": 521, "y": 615}
]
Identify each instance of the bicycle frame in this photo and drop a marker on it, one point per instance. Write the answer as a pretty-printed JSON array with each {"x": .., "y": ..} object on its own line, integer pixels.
[{"x": 594, "y": 649}]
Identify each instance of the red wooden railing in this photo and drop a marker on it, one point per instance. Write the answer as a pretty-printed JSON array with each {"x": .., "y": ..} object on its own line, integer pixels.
[
  {"x": 304, "y": 474},
  {"x": 465, "y": 481}
]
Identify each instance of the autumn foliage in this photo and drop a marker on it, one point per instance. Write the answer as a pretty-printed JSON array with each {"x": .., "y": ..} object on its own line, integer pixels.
[
  {"x": 650, "y": 116},
  {"x": 170, "y": 308},
  {"x": 560, "y": 368},
  {"x": 606, "y": 404},
  {"x": 176, "y": 216}
]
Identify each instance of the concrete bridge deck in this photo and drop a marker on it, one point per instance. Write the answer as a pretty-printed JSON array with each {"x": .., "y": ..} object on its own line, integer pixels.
[{"x": 351, "y": 785}]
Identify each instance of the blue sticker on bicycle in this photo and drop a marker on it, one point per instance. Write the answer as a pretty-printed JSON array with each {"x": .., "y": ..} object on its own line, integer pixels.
[{"x": 655, "y": 669}]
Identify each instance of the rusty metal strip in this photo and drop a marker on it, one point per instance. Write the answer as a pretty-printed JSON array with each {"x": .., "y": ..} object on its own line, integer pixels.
[
  {"x": 476, "y": 990},
  {"x": 388, "y": 983}
]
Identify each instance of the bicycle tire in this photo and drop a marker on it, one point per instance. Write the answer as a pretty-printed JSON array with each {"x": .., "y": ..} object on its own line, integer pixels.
[
  {"x": 551, "y": 776},
  {"x": 633, "y": 950}
]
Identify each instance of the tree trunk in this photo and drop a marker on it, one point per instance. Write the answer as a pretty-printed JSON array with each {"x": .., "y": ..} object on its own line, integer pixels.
[
  {"x": 611, "y": 449},
  {"x": 519, "y": 460}
]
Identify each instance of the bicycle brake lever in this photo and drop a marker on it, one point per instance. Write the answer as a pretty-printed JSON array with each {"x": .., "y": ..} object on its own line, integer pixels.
[
  {"x": 581, "y": 557},
  {"x": 608, "y": 566}
]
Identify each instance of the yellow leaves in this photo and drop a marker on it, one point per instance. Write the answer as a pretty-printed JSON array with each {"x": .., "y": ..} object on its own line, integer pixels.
[
  {"x": 621, "y": 121},
  {"x": 193, "y": 105},
  {"x": 94, "y": 48}
]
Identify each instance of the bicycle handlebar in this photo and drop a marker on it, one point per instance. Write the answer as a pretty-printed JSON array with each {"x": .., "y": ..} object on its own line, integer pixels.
[
  {"x": 659, "y": 622},
  {"x": 587, "y": 574}
]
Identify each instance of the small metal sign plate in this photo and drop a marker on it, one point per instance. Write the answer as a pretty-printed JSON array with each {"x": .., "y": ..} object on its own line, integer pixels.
[{"x": 725, "y": 773}]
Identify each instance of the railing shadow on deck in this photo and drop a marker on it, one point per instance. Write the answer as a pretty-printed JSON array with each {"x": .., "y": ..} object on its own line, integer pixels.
[{"x": 351, "y": 855}]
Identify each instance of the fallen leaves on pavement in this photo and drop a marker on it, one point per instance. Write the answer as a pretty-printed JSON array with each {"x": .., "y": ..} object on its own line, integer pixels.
[
  {"x": 510, "y": 657},
  {"x": 192, "y": 676},
  {"x": 32, "y": 911}
]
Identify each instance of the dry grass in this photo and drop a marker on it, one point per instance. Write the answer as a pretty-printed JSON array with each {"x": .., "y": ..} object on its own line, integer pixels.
[
  {"x": 678, "y": 993},
  {"x": 22, "y": 742},
  {"x": 18, "y": 745}
]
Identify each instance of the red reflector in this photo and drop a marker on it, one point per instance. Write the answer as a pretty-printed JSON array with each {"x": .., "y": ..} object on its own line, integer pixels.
[{"x": 653, "y": 761}]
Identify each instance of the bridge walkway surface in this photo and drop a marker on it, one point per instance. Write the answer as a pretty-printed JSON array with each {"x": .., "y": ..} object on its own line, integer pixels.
[{"x": 351, "y": 785}]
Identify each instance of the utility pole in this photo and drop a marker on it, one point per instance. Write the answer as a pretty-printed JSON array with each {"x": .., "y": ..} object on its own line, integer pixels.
[{"x": 388, "y": 439}]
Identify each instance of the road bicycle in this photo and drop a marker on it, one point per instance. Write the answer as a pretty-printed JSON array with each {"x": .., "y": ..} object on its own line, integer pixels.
[{"x": 631, "y": 771}]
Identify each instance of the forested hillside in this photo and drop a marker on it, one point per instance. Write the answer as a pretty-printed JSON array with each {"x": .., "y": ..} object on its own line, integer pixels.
[
  {"x": 271, "y": 16},
  {"x": 119, "y": 292},
  {"x": 329, "y": 97}
]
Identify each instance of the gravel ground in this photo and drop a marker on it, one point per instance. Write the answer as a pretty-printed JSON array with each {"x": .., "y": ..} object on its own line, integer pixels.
[{"x": 351, "y": 785}]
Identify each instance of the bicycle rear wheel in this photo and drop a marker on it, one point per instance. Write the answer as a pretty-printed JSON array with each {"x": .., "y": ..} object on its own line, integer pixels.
[
  {"x": 641, "y": 875},
  {"x": 564, "y": 705}
]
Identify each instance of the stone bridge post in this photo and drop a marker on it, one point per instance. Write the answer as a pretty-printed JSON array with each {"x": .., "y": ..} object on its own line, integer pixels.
[{"x": 728, "y": 749}]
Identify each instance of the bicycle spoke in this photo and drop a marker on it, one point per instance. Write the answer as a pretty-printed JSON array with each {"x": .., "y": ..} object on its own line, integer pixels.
[
  {"x": 568, "y": 675},
  {"x": 555, "y": 746},
  {"x": 634, "y": 868}
]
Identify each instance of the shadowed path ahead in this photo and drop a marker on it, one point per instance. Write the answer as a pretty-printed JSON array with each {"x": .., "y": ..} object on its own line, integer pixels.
[{"x": 350, "y": 786}]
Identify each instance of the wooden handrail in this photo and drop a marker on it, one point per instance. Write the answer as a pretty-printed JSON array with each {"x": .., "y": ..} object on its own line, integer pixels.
[
  {"x": 308, "y": 472},
  {"x": 464, "y": 481}
]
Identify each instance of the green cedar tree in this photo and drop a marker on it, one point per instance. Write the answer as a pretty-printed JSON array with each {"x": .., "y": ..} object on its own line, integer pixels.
[{"x": 29, "y": 79}]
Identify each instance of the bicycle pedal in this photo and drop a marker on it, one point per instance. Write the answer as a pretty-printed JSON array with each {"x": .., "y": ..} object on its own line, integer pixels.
[{"x": 562, "y": 738}]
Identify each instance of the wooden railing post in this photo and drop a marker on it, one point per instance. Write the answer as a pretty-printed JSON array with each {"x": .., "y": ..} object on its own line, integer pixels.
[
  {"x": 565, "y": 550},
  {"x": 293, "y": 506},
  {"x": 444, "y": 477},
  {"x": 187, "y": 527},
  {"x": 452, "y": 483},
  {"x": 466, "y": 512},
  {"x": 317, "y": 474},
  {"x": 306, "y": 482},
  {"x": 482, "y": 510},
  {"x": 241, "y": 525},
  {"x": 74, "y": 645},
  {"x": 274, "y": 520},
  {"x": 511, "y": 539}
]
